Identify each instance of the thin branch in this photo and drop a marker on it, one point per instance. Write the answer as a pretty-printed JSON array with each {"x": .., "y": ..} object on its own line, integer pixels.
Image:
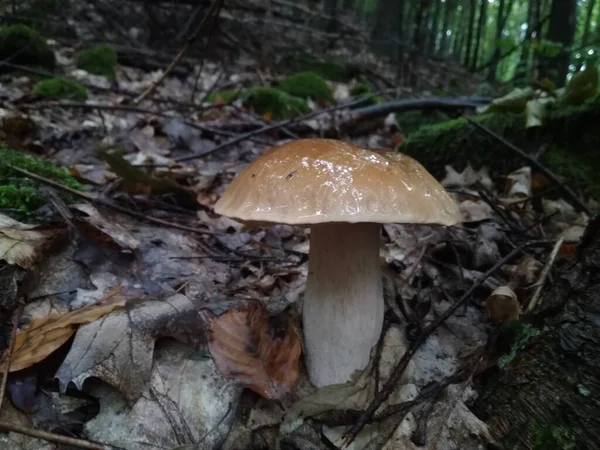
[
  {"x": 273, "y": 127},
  {"x": 544, "y": 275},
  {"x": 56, "y": 438},
  {"x": 16, "y": 318},
  {"x": 214, "y": 7},
  {"x": 534, "y": 162},
  {"x": 394, "y": 378},
  {"x": 94, "y": 199}
]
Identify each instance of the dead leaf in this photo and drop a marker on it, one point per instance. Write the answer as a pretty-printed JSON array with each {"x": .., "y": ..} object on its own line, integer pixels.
[
  {"x": 43, "y": 336},
  {"x": 119, "y": 348},
  {"x": 25, "y": 245},
  {"x": 503, "y": 306},
  {"x": 248, "y": 349},
  {"x": 519, "y": 183}
]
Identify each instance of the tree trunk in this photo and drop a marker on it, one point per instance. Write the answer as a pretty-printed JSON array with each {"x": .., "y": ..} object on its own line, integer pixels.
[
  {"x": 480, "y": 32},
  {"x": 459, "y": 36},
  {"x": 471, "y": 29},
  {"x": 386, "y": 26},
  {"x": 433, "y": 27},
  {"x": 561, "y": 30},
  {"x": 548, "y": 397},
  {"x": 448, "y": 8},
  {"x": 491, "y": 77},
  {"x": 585, "y": 38}
]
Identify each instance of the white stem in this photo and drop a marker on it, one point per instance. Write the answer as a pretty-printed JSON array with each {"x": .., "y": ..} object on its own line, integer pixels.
[{"x": 343, "y": 303}]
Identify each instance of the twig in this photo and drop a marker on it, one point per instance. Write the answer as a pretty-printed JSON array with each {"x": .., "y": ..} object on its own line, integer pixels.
[
  {"x": 94, "y": 199},
  {"x": 101, "y": 106},
  {"x": 56, "y": 438},
  {"x": 215, "y": 5},
  {"x": 15, "y": 324},
  {"x": 534, "y": 162},
  {"x": 394, "y": 378},
  {"x": 544, "y": 275},
  {"x": 275, "y": 126}
]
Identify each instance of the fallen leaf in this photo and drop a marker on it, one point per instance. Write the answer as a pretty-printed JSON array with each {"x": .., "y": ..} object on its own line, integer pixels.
[
  {"x": 43, "y": 336},
  {"x": 25, "y": 245},
  {"x": 118, "y": 349},
  {"x": 503, "y": 306},
  {"x": 247, "y": 348},
  {"x": 519, "y": 183}
]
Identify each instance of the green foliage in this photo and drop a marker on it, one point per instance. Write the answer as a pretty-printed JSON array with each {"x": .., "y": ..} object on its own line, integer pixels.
[
  {"x": 98, "y": 60},
  {"x": 277, "y": 103},
  {"x": 60, "y": 88},
  {"x": 19, "y": 193},
  {"x": 524, "y": 333},
  {"x": 554, "y": 438},
  {"x": 23, "y": 45},
  {"x": 411, "y": 121},
  {"x": 307, "y": 85},
  {"x": 226, "y": 96}
]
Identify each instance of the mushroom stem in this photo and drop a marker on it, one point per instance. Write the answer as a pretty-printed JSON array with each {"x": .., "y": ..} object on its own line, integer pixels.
[{"x": 343, "y": 301}]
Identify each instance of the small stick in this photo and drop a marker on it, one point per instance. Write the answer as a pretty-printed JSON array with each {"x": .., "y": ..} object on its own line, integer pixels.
[
  {"x": 394, "y": 378},
  {"x": 534, "y": 162},
  {"x": 56, "y": 438},
  {"x": 100, "y": 201},
  {"x": 544, "y": 275},
  {"x": 213, "y": 7},
  {"x": 16, "y": 318}
]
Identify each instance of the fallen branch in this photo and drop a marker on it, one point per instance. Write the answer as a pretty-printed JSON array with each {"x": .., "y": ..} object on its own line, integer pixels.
[
  {"x": 16, "y": 318},
  {"x": 94, "y": 199},
  {"x": 534, "y": 162},
  {"x": 271, "y": 128},
  {"x": 56, "y": 438},
  {"x": 394, "y": 378},
  {"x": 451, "y": 104}
]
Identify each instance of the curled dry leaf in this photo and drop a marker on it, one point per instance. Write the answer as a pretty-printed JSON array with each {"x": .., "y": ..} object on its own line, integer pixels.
[
  {"x": 44, "y": 336},
  {"x": 25, "y": 245},
  {"x": 249, "y": 348},
  {"x": 503, "y": 306}
]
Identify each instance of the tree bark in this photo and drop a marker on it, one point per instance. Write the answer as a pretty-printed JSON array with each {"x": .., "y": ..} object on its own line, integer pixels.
[
  {"x": 448, "y": 8},
  {"x": 471, "y": 29},
  {"x": 433, "y": 27},
  {"x": 480, "y": 32},
  {"x": 386, "y": 26},
  {"x": 585, "y": 38},
  {"x": 549, "y": 394},
  {"x": 561, "y": 30},
  {"x": 491, "y": 76}
]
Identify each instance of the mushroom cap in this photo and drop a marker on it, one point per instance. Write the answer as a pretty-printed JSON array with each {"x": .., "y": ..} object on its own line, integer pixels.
[{"x": 311, "y": 181}]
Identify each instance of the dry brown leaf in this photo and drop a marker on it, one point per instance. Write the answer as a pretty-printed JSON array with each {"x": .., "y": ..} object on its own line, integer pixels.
[
  {"x": 247, "y": 348},
  {"x": 25, "y": 245},
  {"x": 43, "y": 336},
  {"x": 503, "y": 306}
]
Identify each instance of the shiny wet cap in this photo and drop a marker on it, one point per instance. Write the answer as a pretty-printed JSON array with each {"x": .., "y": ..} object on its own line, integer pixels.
[{"x": 310, "y": 181}]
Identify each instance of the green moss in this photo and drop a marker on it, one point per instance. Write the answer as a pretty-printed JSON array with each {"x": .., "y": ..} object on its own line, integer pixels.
[
  {"x": 60, "y": 88},
  {"x": 99, "y": 60},
  {"x": 411, "y": 121},
  {"x": 19, "y": 193},
  {"x": 279, "y": 104},
  {"x": 307, "y": 85},
  {"x": 569, "y": 129},
  {"x": 327, "y": 69},
  {"x": 226, "y": 96},
  {"x": 20, "y": 44},
  {"x": 554, "y": 438}
]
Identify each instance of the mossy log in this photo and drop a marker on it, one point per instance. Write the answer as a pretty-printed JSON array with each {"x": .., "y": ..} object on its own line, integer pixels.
[
  {"x": 569, "y": 138},
  {"x": 548, "y": 397}
]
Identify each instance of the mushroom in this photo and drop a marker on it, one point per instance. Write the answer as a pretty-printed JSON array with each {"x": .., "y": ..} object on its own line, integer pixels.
[{"x": 343, "y": 193}]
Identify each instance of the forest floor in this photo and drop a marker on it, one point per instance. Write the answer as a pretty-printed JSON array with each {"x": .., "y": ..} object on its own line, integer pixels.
[{"x": 137, "y": 318}]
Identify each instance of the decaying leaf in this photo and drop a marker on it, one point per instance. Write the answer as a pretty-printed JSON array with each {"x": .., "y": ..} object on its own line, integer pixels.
[
  {"x": 503, "y": 306},
  {"x": 44, "y": 336},
  {"x": 513, "y": 102},
  {"x": 118, "y": 349},
  {"x": 247, "y": 348},
  {"x": 519, "y": 182},
  {"x": 25, "y": 245}
]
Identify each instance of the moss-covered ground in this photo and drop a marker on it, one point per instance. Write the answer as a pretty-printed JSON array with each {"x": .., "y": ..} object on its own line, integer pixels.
[
  {"x": 21, "y": 44},
  {"x": 570, "y": 136},
  {"x": 60, "y": 88},
  {"x": 98, "y": 60}
]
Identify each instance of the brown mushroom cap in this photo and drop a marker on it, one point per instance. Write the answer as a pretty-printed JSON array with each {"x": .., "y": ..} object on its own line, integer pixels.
[{"x": 310, "y": 181}]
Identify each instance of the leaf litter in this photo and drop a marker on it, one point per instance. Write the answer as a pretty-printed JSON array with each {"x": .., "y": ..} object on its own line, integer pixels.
[{"x": 172, "y": 365}]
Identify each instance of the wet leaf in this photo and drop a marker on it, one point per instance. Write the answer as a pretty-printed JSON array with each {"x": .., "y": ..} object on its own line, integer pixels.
[
  {"x": 118, "y": 349},
  {"x": 513, "y": 102},
  {"x": 503, "y": 306},
  {"x": 582, "y": 86},
  {"x": 25, "y": 245},
  {"x": 536, "y": 111},
  {"x": 247, "y": 348},
  {"x": 44, "y": 336}
]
